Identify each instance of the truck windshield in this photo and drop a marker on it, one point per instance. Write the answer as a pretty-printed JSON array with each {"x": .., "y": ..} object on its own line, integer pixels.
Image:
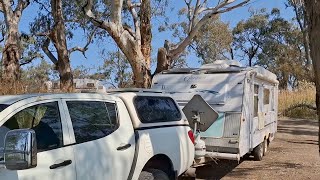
[{"x": 3, "y": 106}]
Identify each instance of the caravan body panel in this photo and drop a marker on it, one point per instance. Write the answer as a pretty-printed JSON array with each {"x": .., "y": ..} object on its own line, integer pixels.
[{"x": 245, "y": 98}]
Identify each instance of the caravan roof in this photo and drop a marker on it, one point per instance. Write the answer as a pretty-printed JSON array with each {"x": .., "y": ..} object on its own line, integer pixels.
[{"x": 224, "y": 66}]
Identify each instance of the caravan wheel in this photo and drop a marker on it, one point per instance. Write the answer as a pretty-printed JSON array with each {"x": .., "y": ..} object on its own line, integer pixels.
[{"x": 258, "y": 152}]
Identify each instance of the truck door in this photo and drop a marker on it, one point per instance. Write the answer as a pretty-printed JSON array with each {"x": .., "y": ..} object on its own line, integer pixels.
[
  {"x": 104, "y": 141},
  {"x": 54, "y": 159}
]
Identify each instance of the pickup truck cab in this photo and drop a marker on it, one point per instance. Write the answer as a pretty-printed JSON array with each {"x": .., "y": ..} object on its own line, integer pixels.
[{"x": 117, "y": 135}]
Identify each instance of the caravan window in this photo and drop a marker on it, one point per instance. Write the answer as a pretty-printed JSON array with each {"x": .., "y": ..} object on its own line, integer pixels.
[
  {"x": 266, "y": 98},
  {"x": 256, "y": 100}
]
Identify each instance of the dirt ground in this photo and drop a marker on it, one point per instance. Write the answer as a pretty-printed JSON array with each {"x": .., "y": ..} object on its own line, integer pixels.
[{"x": 292, "y": 155}]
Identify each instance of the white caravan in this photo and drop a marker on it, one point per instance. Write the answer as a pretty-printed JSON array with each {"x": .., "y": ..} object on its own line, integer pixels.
[{"x": 246, "y": 99}]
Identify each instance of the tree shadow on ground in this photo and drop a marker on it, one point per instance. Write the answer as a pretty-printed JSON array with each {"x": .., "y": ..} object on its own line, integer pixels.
[
  {"x": 298, "y": 127},
  {"x": 296, "y": 131},
  {"x": 214, "y": 171},
  {"x": 293, "y": 122}
]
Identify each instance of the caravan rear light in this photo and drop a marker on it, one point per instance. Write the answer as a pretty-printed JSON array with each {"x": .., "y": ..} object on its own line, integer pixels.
[{"x": 191, "y": 136}]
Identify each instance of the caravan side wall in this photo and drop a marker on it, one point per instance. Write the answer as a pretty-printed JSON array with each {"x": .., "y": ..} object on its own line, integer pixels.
[{"x": 224, "y": 92}]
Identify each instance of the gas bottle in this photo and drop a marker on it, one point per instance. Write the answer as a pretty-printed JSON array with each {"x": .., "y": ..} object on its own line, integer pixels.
[{"x": 200, "y": 148}]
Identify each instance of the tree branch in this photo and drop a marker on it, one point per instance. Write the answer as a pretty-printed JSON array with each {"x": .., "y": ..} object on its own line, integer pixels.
[
  {"x": 135, "y": 18},
  {"x": 195, "y": 15},
  {"x": 6, "y": 9},
  {"x": 45, "y": 48},
  {"x": 214, "y": 12},
  {"x": 31, "y": 58},
  {"x": 43, "y": 5},
  {"x": 1, "y": 7},
  {"x": 116, "y": 8},
  {"x": 85, "y": 47},
  {"x": 45, "y": 34},
  {"x": 116, "y": 31},
  {"x": 21, "y": 6},
  {"x": 87, "y": 9}
]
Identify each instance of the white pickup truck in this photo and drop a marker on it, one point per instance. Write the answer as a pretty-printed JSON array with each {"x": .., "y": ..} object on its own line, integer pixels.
[{"x": 119, "y": 135}]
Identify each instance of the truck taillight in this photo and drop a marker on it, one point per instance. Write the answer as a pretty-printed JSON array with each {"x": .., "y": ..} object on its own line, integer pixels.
[{"x": 191, "y": 136}]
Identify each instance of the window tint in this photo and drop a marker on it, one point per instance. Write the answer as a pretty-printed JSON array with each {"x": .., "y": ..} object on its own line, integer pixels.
[
  {"x": 156, "y": 109},
  {"x": 92, "y": 119},
  {"x": 44, "y": 119},
  {"x": 3, "y": 106}
]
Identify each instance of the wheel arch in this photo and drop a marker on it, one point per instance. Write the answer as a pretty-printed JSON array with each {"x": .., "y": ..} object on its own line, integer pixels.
[{"x": 161, "y": 162}]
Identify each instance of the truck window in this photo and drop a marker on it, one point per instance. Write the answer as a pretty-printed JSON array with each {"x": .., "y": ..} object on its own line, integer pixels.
[
  {"x": 92, "y": 120},
  {"x": 156, "y": 109},
  {"x": 44, "y": 119}
]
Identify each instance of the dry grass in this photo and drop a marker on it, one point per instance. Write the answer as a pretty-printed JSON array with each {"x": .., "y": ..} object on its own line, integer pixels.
[
  {"x": 7, "y": 88},
  {"x": 305, "y": 94}
]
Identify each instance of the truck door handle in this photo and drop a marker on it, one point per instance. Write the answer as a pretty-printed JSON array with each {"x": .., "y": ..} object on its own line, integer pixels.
[
  {"x": 64, "y": 163},
  {"x": 121, "y": 148}
]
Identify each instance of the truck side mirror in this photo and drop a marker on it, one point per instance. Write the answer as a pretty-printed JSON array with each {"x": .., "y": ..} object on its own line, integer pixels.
[{"x": 20, "y": 151}]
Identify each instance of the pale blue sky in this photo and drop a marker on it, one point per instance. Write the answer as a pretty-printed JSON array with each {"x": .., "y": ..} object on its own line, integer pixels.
[{"x": 94, "y": 58}]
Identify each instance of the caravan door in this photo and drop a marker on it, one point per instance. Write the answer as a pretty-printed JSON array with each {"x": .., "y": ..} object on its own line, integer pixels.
[{"x": 258, "y": 120}]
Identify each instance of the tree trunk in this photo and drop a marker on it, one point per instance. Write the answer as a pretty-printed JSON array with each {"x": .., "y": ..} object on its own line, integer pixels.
[
  {"x": 146, "y": 37},
  {"x": 283, "y": 84},
  {"x": 133, "y": 52},
  {"x": 58, "y": 37},
  {"x": 11, "y": 55},
  {"x": 313, "y": 13}
]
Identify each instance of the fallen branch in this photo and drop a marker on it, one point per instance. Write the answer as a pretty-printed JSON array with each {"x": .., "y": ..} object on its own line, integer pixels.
[{"x": 309, "y": 106}]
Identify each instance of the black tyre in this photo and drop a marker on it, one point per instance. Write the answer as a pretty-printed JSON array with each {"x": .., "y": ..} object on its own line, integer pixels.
[
  {"x": 265, "y": 147},
  {"x": 258, "y": 152},
  {"x": 153, "y": 174}
]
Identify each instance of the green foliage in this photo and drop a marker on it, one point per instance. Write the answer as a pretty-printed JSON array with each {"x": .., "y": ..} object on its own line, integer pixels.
[
  {"x": 35, "y": 76},
  {"x": 269, "y": 40},
  {"x": 117, "y": 70},
  {"x": 213, "y": 41},
  {"x": 82, "y": 72}
]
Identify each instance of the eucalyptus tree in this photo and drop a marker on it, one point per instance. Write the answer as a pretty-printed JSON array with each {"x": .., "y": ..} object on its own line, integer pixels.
[
  {"x": 213, "y": 41},
  {"x": 54, "y": 26},
  {"x": 134, "y": 38},
  {"x": 269, "y": 40},
  {"x": 12, "y": 11}
]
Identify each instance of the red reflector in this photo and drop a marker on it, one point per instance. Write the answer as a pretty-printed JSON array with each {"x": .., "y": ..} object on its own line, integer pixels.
[{"x": 191, "y": 136}]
